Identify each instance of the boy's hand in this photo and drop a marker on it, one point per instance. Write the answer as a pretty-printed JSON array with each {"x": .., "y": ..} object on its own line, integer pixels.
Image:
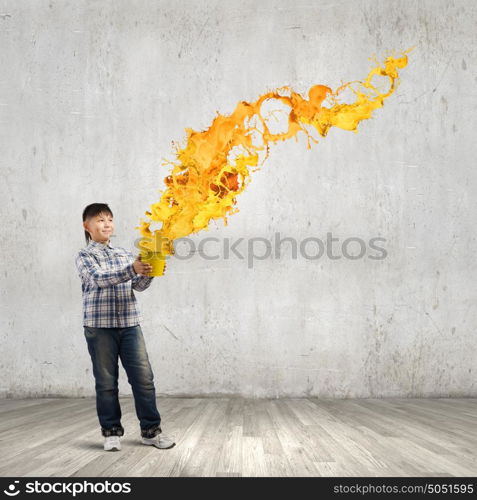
[{"x": 141, "y": 267}]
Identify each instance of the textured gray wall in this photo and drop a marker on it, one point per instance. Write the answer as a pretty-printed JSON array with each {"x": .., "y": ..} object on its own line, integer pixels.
[{"x": 93, "y": 92}]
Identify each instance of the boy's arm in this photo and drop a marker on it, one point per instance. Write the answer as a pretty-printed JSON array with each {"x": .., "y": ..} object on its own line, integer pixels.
[
  {"x": 89, "y": 270},
  {"x": 140, "y": 283}
]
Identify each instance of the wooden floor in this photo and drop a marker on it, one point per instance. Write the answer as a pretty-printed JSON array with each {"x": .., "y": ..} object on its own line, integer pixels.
[{"x": 246, "y": 437}]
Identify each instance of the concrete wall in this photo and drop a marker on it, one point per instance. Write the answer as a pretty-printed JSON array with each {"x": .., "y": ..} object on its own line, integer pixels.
[{"x": 93, "y": 92}]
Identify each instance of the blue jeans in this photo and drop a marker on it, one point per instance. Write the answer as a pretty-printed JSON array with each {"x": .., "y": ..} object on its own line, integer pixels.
[{"x": 105, "y": 345}]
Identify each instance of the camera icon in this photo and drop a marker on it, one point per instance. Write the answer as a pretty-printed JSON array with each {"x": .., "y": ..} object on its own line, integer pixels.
[{"x": 12, "y": 491}]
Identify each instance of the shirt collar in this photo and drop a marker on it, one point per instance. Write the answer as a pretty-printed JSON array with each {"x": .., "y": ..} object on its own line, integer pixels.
[{"x": 99, "y": 246}]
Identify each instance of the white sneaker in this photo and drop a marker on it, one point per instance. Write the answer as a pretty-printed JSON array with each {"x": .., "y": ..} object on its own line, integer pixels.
[
  {"x": 159, "y": 441},
  {"x": 112, "y": 443}
]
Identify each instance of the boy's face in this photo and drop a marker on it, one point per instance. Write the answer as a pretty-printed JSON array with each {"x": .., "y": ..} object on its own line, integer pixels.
[{"x": 100, "y": 227}]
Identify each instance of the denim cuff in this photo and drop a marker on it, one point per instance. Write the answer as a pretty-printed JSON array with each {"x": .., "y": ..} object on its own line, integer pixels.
[
  {"x": 151, "y": 431},
  {"x": 116, "y": 430}
]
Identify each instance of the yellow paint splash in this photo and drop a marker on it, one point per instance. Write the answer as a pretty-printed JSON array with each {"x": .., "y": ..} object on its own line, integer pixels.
[{"x": 214, "y": 166}]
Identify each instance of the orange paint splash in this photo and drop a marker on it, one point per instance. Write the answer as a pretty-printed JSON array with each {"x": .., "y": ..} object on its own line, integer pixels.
[{"x": 214, "y": 166}]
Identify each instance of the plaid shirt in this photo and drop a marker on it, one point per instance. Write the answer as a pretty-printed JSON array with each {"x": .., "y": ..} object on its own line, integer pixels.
[{"x": 108, "y": 280}]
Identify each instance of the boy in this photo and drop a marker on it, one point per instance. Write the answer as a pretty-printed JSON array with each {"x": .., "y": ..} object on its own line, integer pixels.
[{"x": 111, "y": 316}]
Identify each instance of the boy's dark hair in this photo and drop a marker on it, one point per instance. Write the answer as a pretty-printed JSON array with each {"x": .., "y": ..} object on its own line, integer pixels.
[{"x": 92, "y": 211}]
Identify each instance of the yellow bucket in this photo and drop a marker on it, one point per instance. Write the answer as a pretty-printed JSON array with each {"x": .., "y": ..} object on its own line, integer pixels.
[{"x": 156, "y": 259}]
